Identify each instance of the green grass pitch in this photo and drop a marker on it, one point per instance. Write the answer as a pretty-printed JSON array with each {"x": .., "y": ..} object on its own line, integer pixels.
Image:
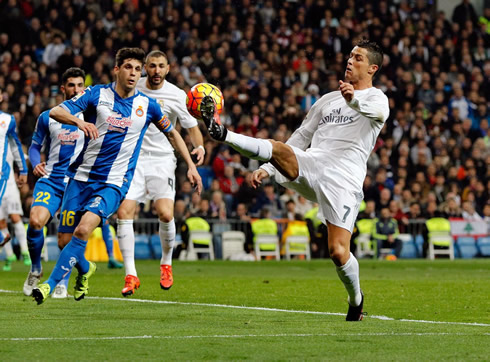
[{"x": 417, "y": 310}]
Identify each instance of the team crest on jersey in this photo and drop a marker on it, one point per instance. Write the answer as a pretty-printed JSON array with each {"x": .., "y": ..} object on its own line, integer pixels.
[
  {"x": 77, "y": 97},
  {"x": 140, "y": 112},
  {"x": 68, "y": 138},
  {"x": 161, "y": 102},
  {"x": 3, "y": 124},
  {"x": 118, "y": 123}
]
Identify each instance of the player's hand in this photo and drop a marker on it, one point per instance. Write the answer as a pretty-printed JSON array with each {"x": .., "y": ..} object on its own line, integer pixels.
[
  {"x": 89, "y": 129},
  {"x": 40, "y": 170},
  {"x": 347, "y": 90},
  {"x": 22, "y": 180},
  {"x": 195, "y": 179},
  {"x": 197, "y": 155},
  {"x": 258, "y": 176}
]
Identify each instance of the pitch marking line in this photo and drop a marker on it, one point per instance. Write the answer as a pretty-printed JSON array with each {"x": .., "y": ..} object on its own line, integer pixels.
[
  {"x": 37, "y": 339},
  {"x": 385, "y": 318}
]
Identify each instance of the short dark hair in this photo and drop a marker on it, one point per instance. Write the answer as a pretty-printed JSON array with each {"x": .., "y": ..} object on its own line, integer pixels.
[
  {"x": 72, "y": 72},
  {"x": 129, "y": 53},
  {"x": 156, "y": 54},
  {"x": 375, "y": 53}
]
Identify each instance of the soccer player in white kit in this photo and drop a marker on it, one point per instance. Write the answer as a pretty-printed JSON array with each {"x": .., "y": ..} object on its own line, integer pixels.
[
  {"x": 342, "y": 127},
  {"x": 154, "y": 177}
]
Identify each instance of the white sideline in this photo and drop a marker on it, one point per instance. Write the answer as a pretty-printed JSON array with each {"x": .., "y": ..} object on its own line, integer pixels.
[
  {"x": 37, "y": 339},
  {"x": 134, "y": 300}
]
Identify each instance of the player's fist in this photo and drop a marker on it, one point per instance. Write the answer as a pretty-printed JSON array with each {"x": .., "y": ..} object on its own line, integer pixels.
[
  {"x": 347, "y": 90},
  {"x": 40, "y": 170},
  {"x": 258, "y": 176}
]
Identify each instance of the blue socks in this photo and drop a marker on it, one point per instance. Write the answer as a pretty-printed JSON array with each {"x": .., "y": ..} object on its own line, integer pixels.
[
  {"x": 35, "y": 243},
  {"x": 107, "y": 236},
  {"x": 71, "y": 255}
]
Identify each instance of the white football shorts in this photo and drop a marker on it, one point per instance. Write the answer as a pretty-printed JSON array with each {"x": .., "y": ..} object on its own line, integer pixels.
[
  {"x": 337, "y": 195},
  {"x": 11, "y": 203},
  {"x": 154, "y": 178}
]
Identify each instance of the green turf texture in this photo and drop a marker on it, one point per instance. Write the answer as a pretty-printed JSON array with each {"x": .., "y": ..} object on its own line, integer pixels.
[{"x": 102, "y": 329}]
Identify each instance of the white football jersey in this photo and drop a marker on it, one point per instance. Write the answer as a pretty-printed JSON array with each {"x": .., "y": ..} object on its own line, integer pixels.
[
  {"x": 346, "y": 133},
  {"x": 172, "y": 101}
]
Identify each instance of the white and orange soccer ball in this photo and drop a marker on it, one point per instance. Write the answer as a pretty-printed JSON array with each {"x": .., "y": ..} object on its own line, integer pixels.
[{"x": 197, "y": 93}]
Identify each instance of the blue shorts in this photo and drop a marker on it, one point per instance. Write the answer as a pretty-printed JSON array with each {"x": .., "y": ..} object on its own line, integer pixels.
[
  {"x": 101, "y": 198},
  {"x": 48, "y": 193}
]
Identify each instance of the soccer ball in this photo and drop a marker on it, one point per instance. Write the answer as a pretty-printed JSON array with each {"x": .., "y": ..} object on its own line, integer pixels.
[{"x": 197, "y": 93}]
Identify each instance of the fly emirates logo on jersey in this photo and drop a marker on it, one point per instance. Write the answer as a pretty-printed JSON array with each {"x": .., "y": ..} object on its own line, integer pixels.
[
  {"x": 336, "y": 117},
  {"x": 67, "y": 137},
  {"x": 118, "y": 123}
]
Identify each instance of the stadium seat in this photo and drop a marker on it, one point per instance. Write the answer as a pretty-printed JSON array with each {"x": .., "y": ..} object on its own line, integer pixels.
[
  {"x": 298, "y": 245},
  {"x": 156, "y": 246},
  {"x": 142, "y": 247},
  {"x": 466, "y": 247},
  {"x": 483, "y": 245},
  {"x": 267, "y": 245},
  {"x": 266, "y": 239},
  {"x": 409, "y": 249},
  {"x": 204, "y": 242},
  {"x": 232, "y": 243},
  {"x": 51, "y": 250},
  {"x": 440, "y": 235}
]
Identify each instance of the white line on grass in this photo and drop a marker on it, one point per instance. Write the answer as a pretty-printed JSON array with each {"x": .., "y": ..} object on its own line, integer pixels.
[
  {"x": 408, "y": 334},
  {"x": 134, "y": 300}
]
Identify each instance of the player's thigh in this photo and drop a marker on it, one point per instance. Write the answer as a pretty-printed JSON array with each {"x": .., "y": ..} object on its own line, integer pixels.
[
  {"x": 160, "y": 178},
  {"x": 284, "y": 159},
  {"x": 48, "y": 195}
]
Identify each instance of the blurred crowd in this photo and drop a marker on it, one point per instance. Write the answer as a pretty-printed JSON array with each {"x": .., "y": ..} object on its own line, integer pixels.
[{"x": 273, "y": 60}]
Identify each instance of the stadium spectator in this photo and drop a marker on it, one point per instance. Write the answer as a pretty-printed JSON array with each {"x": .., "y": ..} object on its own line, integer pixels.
[{"x": 386, "y": 232}]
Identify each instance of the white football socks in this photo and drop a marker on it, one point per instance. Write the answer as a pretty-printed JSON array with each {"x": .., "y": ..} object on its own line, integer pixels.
[
  {"x": 125, "y": 236},
  {"x": 349, "y": 274},
  {"x": 254, "y": 148},
  {"x": 20, "y": 234},
  {"x": 167, "y": 239}
]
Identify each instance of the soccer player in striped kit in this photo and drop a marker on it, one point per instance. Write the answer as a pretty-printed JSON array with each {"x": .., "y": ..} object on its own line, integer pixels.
[
  {"x": 116, "y": 119},
  {"x": 154, "y": 177}
]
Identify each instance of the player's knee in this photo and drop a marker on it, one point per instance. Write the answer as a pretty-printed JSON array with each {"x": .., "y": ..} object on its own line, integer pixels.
[
  {"x": 15, "y": 218},
  {"x": 35, "y": 222},
  {"x": 337, "y": 252},
  {"x": 124, "y": 214},
  {"x": 82, "y": 231},
  {"x": 165, "y": 215}
]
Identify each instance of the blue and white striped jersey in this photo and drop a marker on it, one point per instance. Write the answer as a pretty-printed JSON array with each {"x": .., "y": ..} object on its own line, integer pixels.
[
  {"x": 61, "y": 142},
  {"x": 121, "y": 122},
  {"x": 8, "y": 136}
]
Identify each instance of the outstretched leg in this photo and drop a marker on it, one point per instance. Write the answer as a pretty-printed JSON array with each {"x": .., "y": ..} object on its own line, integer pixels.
[{"x": 279, "y": 154}]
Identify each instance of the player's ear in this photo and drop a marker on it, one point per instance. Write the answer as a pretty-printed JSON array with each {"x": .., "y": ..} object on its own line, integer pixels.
[{"x": 372, "y": 69}]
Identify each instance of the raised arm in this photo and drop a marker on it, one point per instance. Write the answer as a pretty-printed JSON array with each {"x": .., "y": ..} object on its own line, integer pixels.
[{"x": 374, "y": 107}]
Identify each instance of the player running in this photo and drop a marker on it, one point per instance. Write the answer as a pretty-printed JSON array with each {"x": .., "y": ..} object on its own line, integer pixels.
[
  {"x": 8, "y": 137},
  {"x": 154, "y": 176},
  {"x": 342, "y": 128},
  {"x": 116, "y": 118},
  {"x": 62, "y": 144}
]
